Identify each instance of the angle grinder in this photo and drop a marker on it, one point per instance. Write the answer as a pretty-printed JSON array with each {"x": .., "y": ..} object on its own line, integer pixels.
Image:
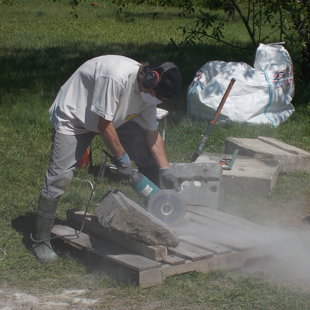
[{"x": 165, "y": 204}]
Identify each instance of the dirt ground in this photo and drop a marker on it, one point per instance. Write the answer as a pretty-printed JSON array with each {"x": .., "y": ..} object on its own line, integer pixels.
[
  {"x": 84, "y": 299},
  {"x": 69, "y": 299}
]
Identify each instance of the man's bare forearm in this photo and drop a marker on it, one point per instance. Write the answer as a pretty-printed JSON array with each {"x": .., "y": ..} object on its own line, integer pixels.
[
  {"x": 110, "y": 137},
  {"x": 157, "y": 148}
]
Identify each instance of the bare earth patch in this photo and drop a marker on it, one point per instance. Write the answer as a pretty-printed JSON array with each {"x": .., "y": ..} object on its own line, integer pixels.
[
  {"x": 68, "y": 299},
  {"x": 82, "y": 299}
]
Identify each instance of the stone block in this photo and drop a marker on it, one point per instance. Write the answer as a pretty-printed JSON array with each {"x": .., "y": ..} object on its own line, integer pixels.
[
  {"x": 248, "y": 176},
  {"x": 118, "y": 213},
  {"x": 291, "y": 158},
  {"x": 201, "y": 183}
]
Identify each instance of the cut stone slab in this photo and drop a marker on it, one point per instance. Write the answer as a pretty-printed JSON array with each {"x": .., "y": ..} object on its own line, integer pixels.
[
  {"x": 291, "y": 158},
  {"x": 248, "y": 175},
  {"x": 119, "y": 213},
  {"x": 201, "y": 183}
]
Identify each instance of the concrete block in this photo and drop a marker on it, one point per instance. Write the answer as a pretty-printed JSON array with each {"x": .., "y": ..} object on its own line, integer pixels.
[
  {"x": 201, "y": 183},
  {"x": 249, "y": 176},
  {"x": 291, "y": 158}
]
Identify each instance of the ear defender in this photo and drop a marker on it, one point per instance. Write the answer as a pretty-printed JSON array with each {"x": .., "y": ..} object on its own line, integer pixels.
[
  {"x": 152, "y": 75},
  {"x": 151, "y": 78}
]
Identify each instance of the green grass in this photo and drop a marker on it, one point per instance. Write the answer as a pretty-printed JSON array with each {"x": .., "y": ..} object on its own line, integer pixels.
[{"x": 40, "y": 46}]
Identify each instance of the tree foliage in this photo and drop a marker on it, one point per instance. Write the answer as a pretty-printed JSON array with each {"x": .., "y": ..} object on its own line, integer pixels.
[
  {"x": 7, "y": 2},
  {"x": 288, "y": 20}
]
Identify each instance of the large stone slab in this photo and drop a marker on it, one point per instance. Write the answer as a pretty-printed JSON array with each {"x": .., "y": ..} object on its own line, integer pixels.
[
  {"x": 119, "y": 213},
  {"x": 248, "y": 175},
  {"x": 291, "y": 158},
  {"x": 201, "y": 183}
]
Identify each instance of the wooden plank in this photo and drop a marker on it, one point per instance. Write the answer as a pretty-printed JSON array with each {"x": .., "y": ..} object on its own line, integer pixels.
[
  {"x": 204, "y": 244},
  {"x": 258, "y": 234},
  {"x": 228, "y": 261},
  {"x": 150, "y": 278},
  {"x": 92, "y": 227},
  {"x": 105, "y": 249},
  {"x": 188, "y": 251},
  {"x": 225, "y": 218},
  {"x": 201, "y": 236},
  {"x": 118, "y": 272},
  {"x": 251, "y": 232},
  {"x": 173, "y": 260},
  {"x": 219, "y": 234}
]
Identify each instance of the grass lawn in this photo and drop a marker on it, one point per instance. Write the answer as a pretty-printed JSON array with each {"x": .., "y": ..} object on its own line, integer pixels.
[{"x": 40, "y": 46}]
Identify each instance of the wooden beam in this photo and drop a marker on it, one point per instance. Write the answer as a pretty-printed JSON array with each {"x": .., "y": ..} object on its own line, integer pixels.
[
  {"x": 105, "y": 249},
  {"x": 226, "y": 261}
]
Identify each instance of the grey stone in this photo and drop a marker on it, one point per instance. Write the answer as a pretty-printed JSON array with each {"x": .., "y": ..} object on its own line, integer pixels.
[
  {"x": 117, "y": 212},
  {"x": 291, "y": 158},
  {"x": 248, "y": 176},
  {"x": 201, "y": 183}
]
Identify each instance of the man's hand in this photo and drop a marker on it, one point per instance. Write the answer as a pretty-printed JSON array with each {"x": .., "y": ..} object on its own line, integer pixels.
[
  {"x": 123, "y": 165},
  {"x": 168, "y": 180},
  {"x": 111, "y": 139}
]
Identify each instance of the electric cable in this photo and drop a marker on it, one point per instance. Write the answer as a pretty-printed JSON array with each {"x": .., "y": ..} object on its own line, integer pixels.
[{"x": 77, "y": 231}]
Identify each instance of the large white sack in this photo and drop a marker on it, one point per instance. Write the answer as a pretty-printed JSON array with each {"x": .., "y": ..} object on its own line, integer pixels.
[{"x": 260, "y": 95}]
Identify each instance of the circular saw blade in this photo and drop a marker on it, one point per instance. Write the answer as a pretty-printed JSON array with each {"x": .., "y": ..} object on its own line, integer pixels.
[{"x": 168, "y": 206}]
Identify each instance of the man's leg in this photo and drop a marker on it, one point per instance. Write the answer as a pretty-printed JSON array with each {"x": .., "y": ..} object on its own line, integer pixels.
[
  {"x": 66, "y": 152},
  {"x": 133, "y": 139}
]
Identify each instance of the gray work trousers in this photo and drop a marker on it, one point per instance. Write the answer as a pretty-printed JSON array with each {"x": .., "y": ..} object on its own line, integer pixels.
[{"x": 67, "y": 150}]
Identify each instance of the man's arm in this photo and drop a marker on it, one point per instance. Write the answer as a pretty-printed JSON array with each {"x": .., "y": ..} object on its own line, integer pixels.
[
  {"x": 157, "y": 148},
  {"x": 110, "y": 137}
]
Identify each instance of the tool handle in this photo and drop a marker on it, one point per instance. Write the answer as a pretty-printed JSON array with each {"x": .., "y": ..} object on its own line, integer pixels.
[
  {"x": 220, "y": 107},
  {"x": 214, "y": 119}
]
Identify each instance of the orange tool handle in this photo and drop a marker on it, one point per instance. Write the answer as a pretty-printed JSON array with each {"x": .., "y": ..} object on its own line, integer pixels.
[{"x": 220, "y": 107}]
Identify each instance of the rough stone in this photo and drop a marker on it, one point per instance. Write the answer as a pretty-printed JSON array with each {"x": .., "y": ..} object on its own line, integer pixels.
[
  {"x": 117, "y": 212},
  {"x": 248, "y": 176},
  {"x": 201, "y": 183},
  {"x": 291, "y": 158}
]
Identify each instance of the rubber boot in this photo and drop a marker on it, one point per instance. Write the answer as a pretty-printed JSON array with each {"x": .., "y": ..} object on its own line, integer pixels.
[{"x": 45, "y": 217}]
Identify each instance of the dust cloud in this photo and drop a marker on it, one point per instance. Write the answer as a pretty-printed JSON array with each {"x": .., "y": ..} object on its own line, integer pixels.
[
  {"x": 288, "y": 257},
  {"x": 283, "y": 253}
]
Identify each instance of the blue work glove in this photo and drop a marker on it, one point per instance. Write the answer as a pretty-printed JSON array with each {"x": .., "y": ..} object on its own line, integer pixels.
[
  {"x": 168, "y": 180},
  {"x": 123, "y": 165}
]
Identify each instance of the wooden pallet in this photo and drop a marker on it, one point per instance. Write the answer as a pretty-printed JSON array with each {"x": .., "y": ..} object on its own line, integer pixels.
[{"x": 210, "y": 240}]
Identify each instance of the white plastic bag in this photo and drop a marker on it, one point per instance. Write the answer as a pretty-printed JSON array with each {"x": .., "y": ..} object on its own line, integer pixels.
[{"x": 261, "y": 95}]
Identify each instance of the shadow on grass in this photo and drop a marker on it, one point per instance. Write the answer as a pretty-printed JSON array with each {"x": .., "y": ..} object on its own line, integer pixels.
[
  {"x": 24, "y": 226},
  {"x": 43, "y": 71},
  {"x": 95, "y": 264}
]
